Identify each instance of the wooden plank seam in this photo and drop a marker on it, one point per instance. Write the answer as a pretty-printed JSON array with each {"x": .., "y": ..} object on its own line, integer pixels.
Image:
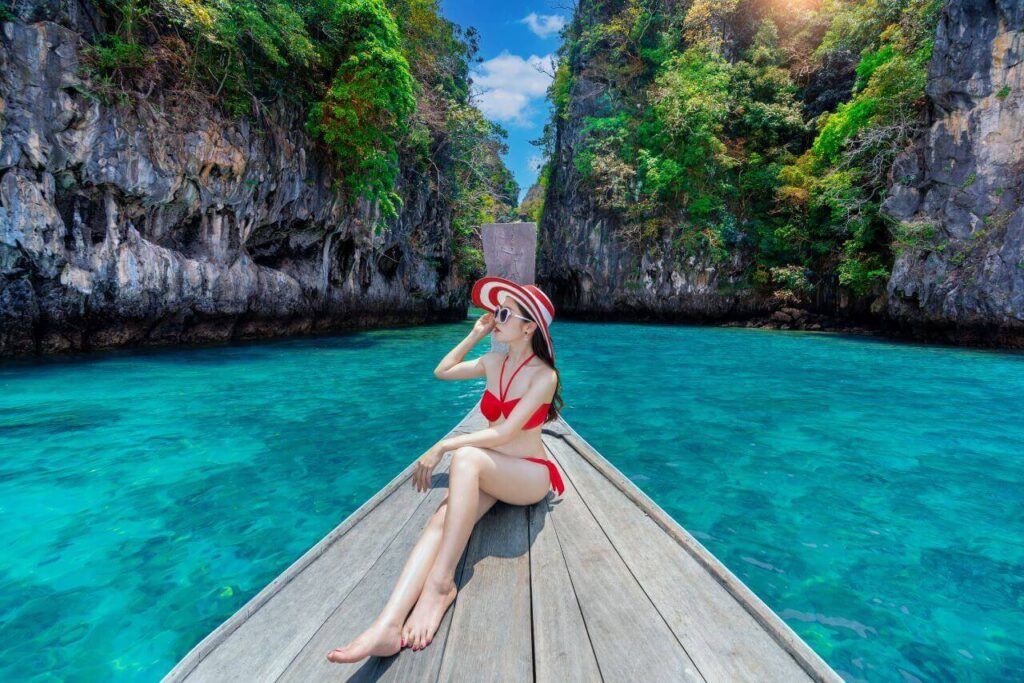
[
  {"x": 626, "y": 565},
  {"x": 780, "y": 631}
]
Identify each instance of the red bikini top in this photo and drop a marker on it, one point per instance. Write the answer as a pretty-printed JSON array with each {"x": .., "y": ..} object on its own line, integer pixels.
[{"x": 494, "y": 407}]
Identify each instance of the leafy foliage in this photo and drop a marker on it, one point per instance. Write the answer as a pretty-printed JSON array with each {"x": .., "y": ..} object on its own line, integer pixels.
[
  {"x": 482, "y": 190},
  {"x": 703, "y": 141},
  {"x": 370, "y": 101},
  {"x": 383, "y": 85},
  {"x": 856, "y": 145}
]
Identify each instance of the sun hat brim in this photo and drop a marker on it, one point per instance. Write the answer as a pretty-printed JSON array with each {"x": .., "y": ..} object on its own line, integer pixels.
[{"x": 487, "y": 293}]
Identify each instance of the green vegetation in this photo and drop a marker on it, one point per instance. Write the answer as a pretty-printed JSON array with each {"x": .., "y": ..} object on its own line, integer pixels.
[
  {"x": 705, "y": 143},
  {"x": 377, "y": 81},
  {"x": 561, "y": 86},
  {"x": 533, "y": 204},
  {"x": 476, "y": 148},
  {"x": 913, "y": 235}
]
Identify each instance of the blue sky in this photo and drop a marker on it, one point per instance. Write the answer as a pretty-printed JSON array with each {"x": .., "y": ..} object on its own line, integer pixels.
[{"x": 517, "y": 43}]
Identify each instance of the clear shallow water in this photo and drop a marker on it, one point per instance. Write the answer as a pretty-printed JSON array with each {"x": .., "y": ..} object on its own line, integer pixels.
[{"x": 871, "y": 493}]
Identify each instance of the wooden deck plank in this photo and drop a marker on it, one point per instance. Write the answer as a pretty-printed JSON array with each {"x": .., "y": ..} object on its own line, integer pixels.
[
  {"x": 259, "y": 640},
  {"x": 361, "y": 605},
  {"x": 561, "y": 644},
  {"x": 723, "y": 639},
  {"x": 599, "y": 584},
  {"x": 473, "y": 421},
  {"x": 410, "y": 666},
  {"x": 630, "y": 638},
  {"x": 265, "y": 644},
  {"x": 490, "y": 635},
  {"x": 786, "y": 639}
]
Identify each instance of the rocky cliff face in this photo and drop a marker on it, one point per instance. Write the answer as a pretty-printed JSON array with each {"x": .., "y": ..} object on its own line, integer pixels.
[
  {"x": 960, "y": 190},
  {"x": 590, "y": 272},
  {"x": 593, "y": 272},
  {"x": 154, "y": 223}
]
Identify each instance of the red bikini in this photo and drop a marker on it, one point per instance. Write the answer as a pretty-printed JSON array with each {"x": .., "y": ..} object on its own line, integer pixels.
[
  {"x": 553, "y": 475},
  {"x": 494, "y": 407}
]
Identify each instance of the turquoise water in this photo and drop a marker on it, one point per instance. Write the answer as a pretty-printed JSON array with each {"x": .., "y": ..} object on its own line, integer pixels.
[{"x": 871, "y": 493}]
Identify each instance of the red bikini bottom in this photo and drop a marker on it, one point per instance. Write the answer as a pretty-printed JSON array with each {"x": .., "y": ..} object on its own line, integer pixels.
[{"x": 553, "y": 474}]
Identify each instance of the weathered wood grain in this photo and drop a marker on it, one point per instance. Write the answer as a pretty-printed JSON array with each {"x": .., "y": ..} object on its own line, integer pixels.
[
  {"x": 237, "y": 650},
  {"x": 561, "y": 644},
  {"x": 489, "y": 639},
  {"x": 786, "y": 638},
  {"x": 599, "y": 584},
  {"x": 721, "y": 637},
  {"x": 362, "y": 605},
  {"x": 630, "y": 638}
]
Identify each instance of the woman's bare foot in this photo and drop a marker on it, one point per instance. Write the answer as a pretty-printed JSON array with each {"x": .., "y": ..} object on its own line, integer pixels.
[
  {"x": 426, "y": 616},
  {"x": 380, "y": 640}
]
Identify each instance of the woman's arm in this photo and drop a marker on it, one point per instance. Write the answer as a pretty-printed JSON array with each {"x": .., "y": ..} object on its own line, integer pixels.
[
  {"x": 540, "y": 392},
  {"x": 453, "y": 367},
  {"x": 450, "y": 366}
]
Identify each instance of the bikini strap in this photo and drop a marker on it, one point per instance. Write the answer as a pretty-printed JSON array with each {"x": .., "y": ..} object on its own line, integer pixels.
[
  {"x": 501, "y": 376},
  {"x": 507, "y": 386}
]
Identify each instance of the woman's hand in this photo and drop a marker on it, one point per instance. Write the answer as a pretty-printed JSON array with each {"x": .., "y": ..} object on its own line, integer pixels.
[
  {"x": 425, "y": 465},
  {"x": 483, "y": 326}
]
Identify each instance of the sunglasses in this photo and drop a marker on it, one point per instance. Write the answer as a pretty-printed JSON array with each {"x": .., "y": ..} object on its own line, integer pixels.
[{"x": 504, "y": 313}]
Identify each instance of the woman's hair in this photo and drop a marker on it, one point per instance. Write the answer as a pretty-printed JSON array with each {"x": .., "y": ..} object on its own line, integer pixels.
[{"x": 540, "y": 348}]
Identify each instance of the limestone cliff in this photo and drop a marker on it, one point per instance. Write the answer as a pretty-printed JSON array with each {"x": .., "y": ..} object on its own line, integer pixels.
[
  {"x": 590, "y": 272},
  {"x": 156, "y": 223},
  {"x": 958, "y": 192},
  {"x": 961, "y": 189}
]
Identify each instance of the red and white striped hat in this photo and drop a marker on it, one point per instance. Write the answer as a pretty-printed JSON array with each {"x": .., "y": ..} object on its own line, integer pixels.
[{"x": 487, "y": 292}]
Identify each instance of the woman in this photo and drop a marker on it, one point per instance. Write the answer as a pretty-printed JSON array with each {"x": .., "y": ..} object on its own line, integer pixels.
[{"x": 503, "y": 462}]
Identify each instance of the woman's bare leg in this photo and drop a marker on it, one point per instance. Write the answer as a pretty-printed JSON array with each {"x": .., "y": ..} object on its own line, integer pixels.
[
  {"x": 383, "y": 637},
  {"x": 474, "y": 473}
]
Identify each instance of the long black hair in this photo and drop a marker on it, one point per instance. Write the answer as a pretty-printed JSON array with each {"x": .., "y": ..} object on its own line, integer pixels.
[{"x": 540, "y": 348}]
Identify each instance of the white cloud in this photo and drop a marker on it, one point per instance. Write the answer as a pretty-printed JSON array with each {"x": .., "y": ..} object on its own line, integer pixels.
[
  {"x": 535, "y": 162},
  {"x": 544, "y": 25},
  {"x": 506, "y": 86}
]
